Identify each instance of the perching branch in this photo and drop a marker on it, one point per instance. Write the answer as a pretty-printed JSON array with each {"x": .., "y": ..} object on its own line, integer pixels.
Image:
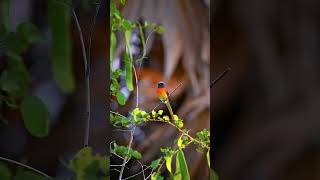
[{"x": 180, "y": 130}]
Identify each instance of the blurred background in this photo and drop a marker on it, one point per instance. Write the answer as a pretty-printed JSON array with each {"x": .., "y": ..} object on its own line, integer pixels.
[
  {"x": 66, "y": 105},
  {"x": 265, "y": 111},
  {"x": 180, "y": 55}
]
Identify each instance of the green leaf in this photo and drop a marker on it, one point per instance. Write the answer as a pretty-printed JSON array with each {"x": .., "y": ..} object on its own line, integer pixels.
[
  {"x": 155, "y": 164},
  {"x": 119, "y": 121},
  {"x": 124, "y": 151},
  {"x": 113, "y": 43},
  {"x": 160, "y": 29},
  {"x": 182, "y": 172},
  {"x": 213, "y": 175},
  {"x": 29, "y": 32},
  {"x": 166, "y": 118},
  {"x": 160, "y": 112},
  {"x": 128, "y": 68},
  {"x": 168, "y": 163},
  {"x": 28, "y": 175},
  {"x": 88, "y": 166},
  {"x": 35, "y": 116},
  {"x": 128, "y": 27},
  {"x": 5, "y": 173},
  {"x": 121, "y": 98},
  {"x": 135, "y": 154},
  {"x": 61, "y": 50}
]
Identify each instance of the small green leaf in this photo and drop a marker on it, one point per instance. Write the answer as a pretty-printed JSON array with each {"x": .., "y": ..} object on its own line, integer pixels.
[
  {"x": 166, "y": 118},
  {"x": 155, "y": 164},
  {"x": 153, "y": 112},
  {"x": 61, "y": 50},
  {"x": 35, "y": 116},
  {"x": 127, "y": 26},
  {"x": 121, "y": 98},
  {"x": 160, "y": 29},
  {"x": 182, "y": 172},
  {"x": 124, "y": 151},
  {"x": 5, "y": 173},
  {"x": 160, "y": 112},
  {"x": 135, "y": 154}
]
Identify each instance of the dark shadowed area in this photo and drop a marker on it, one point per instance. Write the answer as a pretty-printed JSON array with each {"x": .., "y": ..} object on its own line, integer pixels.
[{"x": 265, "y": 111}]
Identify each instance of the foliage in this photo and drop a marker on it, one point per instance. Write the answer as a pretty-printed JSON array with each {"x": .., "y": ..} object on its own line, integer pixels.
[
  {"x": 88, "y": 166},
  {"x": 125, "y": 151},
  {"x": 15, "y": 79}
]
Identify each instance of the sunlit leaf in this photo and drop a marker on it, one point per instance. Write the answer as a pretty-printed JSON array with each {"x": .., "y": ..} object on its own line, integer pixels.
[
  {"x": 35, "y": 116},
  {"x": 88, "y": 166},
  {"x": 155, "y": 164},
  {"x": 121, "y": 98},
  {"x": 182, "y": 172}
]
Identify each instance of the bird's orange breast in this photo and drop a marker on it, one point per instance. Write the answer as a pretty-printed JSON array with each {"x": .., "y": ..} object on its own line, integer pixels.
[{"x": 162, "y": 93}]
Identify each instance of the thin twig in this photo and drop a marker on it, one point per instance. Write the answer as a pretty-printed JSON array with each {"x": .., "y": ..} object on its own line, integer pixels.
[
  {"x": 126, "y": 158},
  {"x": 117, "y": 114},
  {"x": 92, "y": 30},
  {"x": 25, "y": 166},
  {"x": 137, "y": 85},
  {"x": 184, "y": 133},
  {"x": 137, "y": 173},
  {"x": 219, "y": 77},
  {"x": 87, "y": 80}
]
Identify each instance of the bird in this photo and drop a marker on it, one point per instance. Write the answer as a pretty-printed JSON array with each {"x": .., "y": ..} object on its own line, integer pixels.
[{"x": 163, "y": 95}]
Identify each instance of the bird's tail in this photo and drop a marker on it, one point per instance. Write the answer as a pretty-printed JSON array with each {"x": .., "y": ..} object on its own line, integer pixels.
[{"x": 170, "y": 109}]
